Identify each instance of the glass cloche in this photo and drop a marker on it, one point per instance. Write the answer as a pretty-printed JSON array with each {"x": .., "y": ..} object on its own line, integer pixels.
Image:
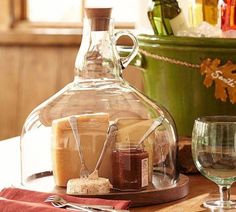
[{"x": 99, "y": 123}]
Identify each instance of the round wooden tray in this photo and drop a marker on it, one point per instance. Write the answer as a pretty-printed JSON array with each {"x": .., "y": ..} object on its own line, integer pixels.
[{"x": 150, "y": 196}]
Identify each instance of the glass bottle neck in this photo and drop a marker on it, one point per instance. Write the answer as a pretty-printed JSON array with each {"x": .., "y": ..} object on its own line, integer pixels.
[{"x": 97, "y": 57}]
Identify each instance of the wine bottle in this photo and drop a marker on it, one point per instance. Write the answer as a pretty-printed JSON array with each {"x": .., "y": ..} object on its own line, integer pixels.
[
  {"x": 210, "y": 11},
  {"x": 197, "y": 12},
  {"x": 223, "y": 8},
  {"x": 228, "y": 15},
  {"x": 166, "y": 17}
]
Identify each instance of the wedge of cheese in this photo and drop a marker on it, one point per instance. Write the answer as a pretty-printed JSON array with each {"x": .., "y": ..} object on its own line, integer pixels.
[
  {"x": 131, "y": 130},
  {"x": 66, "y": 162}
]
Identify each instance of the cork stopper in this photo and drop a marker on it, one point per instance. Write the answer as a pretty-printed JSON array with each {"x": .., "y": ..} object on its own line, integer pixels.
[{"x": 100, "y": 18}]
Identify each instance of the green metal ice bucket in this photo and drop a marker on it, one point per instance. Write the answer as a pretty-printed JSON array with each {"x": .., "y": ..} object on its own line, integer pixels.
[{"x": 171, "y": 71}]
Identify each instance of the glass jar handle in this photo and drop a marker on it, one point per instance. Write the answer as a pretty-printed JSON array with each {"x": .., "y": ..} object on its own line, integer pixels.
[{"x": 126, "y": 60}]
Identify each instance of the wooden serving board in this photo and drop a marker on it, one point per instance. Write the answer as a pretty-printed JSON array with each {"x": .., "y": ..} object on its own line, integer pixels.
[{"x": 150, "y": 196}]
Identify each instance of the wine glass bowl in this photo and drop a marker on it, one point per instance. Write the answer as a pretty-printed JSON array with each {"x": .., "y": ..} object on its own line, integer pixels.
[{"x": 214, "y": 154}]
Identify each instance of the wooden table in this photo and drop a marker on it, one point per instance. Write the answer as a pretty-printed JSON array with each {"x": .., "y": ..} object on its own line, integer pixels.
[{"x": 199, "y": 187}]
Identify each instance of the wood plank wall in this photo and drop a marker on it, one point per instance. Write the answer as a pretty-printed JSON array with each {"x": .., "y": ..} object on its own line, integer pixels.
[{"x": 31, "y": 74}]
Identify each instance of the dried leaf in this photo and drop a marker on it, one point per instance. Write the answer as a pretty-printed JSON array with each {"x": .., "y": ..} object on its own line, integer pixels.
[{"x": 224, "y": 77}]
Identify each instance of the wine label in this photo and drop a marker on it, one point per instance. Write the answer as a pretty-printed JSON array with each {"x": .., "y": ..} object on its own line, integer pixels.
[
  {"x": 223, "y": 76},
  {"x": 144, "y": 164},
  {"x": 197, "y": 14},
  {"x": 210, "y": 14},
  {"x": 178, "y": 23}
]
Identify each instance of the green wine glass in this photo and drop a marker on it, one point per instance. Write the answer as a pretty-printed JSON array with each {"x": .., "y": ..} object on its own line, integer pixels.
[{"x": 214, "y": 154}]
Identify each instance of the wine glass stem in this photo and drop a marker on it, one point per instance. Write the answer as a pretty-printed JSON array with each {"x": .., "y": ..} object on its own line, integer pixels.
[{"x": 224, "y": 193}]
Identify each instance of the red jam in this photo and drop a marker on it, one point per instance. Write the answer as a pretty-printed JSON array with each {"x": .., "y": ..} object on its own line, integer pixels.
[{"x": 129, "y": 168}]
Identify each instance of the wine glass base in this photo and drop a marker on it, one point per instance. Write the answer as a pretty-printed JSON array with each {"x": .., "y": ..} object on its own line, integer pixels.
[{"x": 218, "y": 204}]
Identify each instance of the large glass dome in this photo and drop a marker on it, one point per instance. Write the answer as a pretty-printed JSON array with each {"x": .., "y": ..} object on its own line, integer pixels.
[{"x": 97, "y": 99}]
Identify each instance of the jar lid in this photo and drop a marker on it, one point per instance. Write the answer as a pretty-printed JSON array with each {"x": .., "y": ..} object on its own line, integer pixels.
[{"x": 128, "y": 146}]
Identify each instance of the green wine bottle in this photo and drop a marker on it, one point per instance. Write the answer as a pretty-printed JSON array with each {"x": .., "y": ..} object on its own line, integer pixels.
[{"x": 166, "y": 17}]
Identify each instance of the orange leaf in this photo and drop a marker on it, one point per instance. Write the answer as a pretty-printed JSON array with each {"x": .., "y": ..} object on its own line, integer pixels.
[{"x": 223, "y": 76}]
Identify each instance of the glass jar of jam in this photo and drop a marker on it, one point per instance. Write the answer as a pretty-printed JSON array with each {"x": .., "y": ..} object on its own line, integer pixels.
[{"x": 129, "y": 167}]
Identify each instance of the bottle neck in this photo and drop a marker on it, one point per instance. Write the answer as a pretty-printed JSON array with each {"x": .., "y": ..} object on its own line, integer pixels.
[
  {"x": 162, "y": 14},
  {"x": 97, "y": 57},
  {"x": 170, "y": 8},
  {"x": 169, "y": 2}
]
